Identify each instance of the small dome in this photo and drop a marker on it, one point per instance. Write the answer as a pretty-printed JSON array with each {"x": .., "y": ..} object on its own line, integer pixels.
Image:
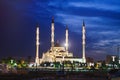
[{"x": 57, "y": 44}]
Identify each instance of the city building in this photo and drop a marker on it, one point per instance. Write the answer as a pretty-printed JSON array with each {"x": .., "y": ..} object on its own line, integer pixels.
[{"x": 112, "y": 61}]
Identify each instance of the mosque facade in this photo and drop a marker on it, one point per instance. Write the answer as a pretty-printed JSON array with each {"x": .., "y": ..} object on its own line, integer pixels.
[{"x": 58, "y": 53}]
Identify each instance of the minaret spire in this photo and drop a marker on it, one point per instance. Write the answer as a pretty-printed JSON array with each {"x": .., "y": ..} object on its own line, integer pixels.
[
  {"x": 83, "y": 42},
  {"x": 37, "y": 46},
  {"x": 66, "y": 35},
  {"x": 52, "y": 33}
]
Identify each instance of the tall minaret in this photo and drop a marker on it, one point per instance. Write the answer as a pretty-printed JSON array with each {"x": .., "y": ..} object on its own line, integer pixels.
[
  {"x": 37, "y": 46},
  {"x": 52, "y": 33},
  {"x": 83, "y": 42},
  {"x": 66, "y": 35}
]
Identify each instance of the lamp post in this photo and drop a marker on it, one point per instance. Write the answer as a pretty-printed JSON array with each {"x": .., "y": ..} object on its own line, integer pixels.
[{"x": 113, "y": 60}]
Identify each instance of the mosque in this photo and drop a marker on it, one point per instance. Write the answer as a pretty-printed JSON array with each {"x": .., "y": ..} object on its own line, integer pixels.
[{"x": 57, "y": 53}]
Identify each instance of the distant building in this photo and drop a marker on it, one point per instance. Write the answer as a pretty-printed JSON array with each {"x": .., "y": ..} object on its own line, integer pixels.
[
  {"x": 112, "y": 61},
  {"x": 89, "y": 60},
  {"x": 3, "y": 68},
  {"x": 109, "y": 59}
]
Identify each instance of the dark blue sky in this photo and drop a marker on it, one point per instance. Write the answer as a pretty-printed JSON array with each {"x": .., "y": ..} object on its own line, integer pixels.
[{"x": 18, "y": 19}]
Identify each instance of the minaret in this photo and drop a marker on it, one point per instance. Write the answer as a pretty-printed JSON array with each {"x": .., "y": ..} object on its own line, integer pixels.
[
  {"x": 83, "y": 42},
  {"x": 37, "y": 46},
  {"x": 52, "y": 33},
  {"x": 66, "y": 35}
]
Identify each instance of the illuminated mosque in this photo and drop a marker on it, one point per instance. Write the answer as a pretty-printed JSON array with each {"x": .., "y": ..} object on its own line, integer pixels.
[{"x": 57, "y": 53}]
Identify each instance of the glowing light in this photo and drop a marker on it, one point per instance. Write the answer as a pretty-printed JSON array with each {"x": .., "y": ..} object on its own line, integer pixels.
[
  {"x": 11, "y": 61},
  {"x": 66, "y": 45},
  {"x": 113, "y": 58}
]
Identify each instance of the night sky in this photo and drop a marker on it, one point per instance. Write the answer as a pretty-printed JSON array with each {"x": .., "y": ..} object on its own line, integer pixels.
[{"x": 18, "y": 20}]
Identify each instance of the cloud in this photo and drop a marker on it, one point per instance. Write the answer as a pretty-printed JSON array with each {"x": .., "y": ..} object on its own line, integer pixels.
[
  {"x": 86, "y": 8},
  {"x": 108, "y": 33},
  {"x": 97, "y": 54},
  {"x": 93, "y": 24},
  {"x": 103, "y": 43},
  {"x": 96, "y": 5}
]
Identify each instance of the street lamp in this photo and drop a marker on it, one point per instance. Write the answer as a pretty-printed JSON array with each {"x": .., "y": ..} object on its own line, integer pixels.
[{"x": 113, "y": 60}]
